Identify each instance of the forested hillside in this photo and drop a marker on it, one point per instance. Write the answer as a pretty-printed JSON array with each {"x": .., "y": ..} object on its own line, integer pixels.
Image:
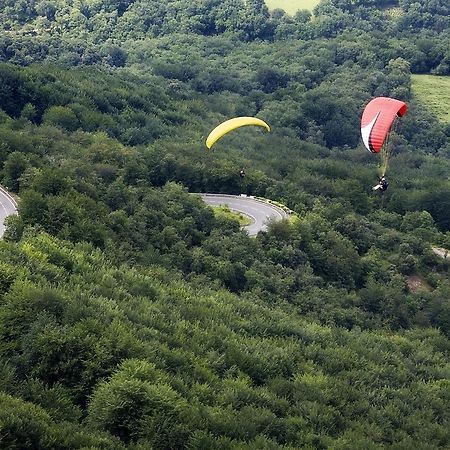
[{"x": 133, "y": 317}]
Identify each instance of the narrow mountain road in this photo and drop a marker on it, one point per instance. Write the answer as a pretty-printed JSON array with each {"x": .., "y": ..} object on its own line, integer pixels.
[
  {"x": 257, "y": 210},
  {"x": 8, "y": 206}
]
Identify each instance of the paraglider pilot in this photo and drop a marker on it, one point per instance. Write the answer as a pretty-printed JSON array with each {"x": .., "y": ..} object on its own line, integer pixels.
[
  {"x": 242, "y": 173},
  {"x": 382, "y": 185}
]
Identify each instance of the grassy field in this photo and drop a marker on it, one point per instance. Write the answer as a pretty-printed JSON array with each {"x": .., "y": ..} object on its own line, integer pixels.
[
  {"x": 224, "y": 211},
  {"x": 434, "y": 93},
  {"x": 292, "y": 6}
]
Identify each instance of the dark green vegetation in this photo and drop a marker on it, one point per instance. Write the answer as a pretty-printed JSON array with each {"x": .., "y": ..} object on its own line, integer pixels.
[{"x": 131, "y": 316}]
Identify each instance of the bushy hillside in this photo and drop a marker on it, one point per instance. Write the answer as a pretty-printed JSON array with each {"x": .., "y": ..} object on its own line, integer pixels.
[
  {"x": 144, "y": 356},
  {"x": 133, "y": 317}
]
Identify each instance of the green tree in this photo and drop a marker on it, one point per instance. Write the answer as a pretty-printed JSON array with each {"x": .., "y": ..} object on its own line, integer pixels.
[
  {"x": 136, "y": 404},
  {"x": 15, "y": 165},
  {"x": 61, "y": 116}
]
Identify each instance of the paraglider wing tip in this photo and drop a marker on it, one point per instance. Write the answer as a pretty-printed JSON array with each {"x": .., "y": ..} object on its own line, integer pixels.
[{"x": 403, "y": 110}]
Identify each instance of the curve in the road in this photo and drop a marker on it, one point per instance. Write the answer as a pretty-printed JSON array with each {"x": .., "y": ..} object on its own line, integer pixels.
[
  {"x": 8, "y": 206},
  {"x": 260, "y": 212}
]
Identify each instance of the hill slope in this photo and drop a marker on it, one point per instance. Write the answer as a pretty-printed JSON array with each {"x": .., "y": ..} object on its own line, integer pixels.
[
  {"x": 292, "y": 6},
  {"x": 133, "y": 317},
  {"x": 434, "y": 93}
]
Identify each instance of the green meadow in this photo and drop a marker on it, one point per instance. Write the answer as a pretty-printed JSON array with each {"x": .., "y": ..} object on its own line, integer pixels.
[
  {"x": 292, "y": 6},
  {"x": 434, "y": 92},
  {"x": 225, "y": 212}
]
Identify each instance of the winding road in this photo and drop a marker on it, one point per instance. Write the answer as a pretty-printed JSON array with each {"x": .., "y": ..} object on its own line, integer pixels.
[
  {"x": 8, "y": 206},
  {"x": 259, "y": 211}
]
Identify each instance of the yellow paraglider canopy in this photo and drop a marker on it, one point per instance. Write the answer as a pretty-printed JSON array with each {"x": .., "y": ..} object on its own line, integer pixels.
[{"x": 230, "y": 125}]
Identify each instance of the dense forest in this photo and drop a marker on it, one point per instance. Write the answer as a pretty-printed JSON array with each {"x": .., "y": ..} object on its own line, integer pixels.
[{"x": 132, "y": 316}]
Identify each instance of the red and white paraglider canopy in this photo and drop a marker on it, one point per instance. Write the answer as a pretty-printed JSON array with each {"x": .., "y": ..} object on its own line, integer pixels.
[{"x": 376, "y": 122}]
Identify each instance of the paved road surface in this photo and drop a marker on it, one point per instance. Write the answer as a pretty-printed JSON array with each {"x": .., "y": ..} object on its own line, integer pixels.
[
  {"x": 8, "y": 206},
  {"x": 257, "y": 210}
]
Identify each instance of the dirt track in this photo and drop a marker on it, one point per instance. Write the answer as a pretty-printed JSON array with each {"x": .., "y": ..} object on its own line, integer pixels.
[{"x": 442, "y": 252}]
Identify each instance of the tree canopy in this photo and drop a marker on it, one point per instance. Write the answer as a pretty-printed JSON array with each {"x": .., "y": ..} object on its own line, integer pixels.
[{"x": 132, "y": 316}]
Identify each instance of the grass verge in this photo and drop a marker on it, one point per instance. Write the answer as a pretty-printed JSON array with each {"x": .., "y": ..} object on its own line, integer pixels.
[{"x": 224, "y": 211}]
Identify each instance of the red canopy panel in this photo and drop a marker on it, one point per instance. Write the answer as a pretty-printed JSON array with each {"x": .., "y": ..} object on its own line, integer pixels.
[{"x": 377, "y": 120}]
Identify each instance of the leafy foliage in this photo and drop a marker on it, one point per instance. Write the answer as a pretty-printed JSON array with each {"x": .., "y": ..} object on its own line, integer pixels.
[
  {"x": 159, "y": 362},
  {"x": 133, "y": 317}
]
